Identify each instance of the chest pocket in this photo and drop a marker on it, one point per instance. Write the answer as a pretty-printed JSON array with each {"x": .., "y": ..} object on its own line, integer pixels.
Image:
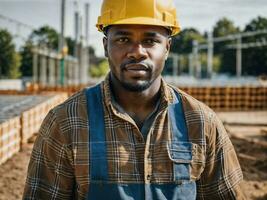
[
  {"x": 188, "y": 160},
  {"x": 181, "y": 155}
]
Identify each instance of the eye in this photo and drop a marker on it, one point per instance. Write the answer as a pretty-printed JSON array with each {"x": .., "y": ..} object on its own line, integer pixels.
[
  {"x": 150, "y": 41},
  {"x": 122, "y": 40}
]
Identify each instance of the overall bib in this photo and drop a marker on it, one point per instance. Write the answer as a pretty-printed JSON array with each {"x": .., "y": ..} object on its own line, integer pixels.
[{"x": 100, "y": 188}]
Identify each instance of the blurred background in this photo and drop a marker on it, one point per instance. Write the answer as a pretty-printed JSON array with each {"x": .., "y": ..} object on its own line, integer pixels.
[{"x": 50, "y": 49}]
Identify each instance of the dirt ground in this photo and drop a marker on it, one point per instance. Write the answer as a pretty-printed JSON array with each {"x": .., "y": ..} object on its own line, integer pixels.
[
  {"x": 252, "y": 156},
  {"x": 251, "y": 146},
  {"x": 13, "y": 174}
]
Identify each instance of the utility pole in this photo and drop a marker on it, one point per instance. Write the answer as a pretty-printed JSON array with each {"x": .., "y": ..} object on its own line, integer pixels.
[
  {"x": 77, "y": 48},
  {"x": 239, "y": 57},
  {"x": 210, "y": 55},
  {"x": 196, "y": 58},
  {"x": 81, "y": 46},
  {"x": 175, "y": 61},
  {"x": 62, "y": 48},
  {"x": 76, "y": 28},
  {"x": 87, "y": 8},
  {"x": 83, "y": 22},
  {"x": 191, "y": 64},
  {"x": 85, "y": 57},
  {"x": 35, "y": 65}
]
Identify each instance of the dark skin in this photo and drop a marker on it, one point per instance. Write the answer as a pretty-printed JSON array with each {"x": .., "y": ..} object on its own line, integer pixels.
[{"x": 136, "y": 55}]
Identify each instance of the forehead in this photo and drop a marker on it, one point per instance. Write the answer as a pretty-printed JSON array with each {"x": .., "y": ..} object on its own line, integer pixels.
[{"x": 145, "y": 30}]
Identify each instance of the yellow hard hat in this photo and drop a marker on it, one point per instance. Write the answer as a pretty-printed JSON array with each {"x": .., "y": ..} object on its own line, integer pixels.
[{"x": 143, "y": 12}]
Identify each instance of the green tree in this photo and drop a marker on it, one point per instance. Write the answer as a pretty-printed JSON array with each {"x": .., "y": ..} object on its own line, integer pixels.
[
  {"x": 14, "y": 71},
  {"x": 254, "y": 60},
  {"x": 256, "y": 24},
  {"x": 26, "y": 58},
  {"x": 44, "y": 36},
  {"x": 99, "y": 70},
  {"x": 71, "y": 45},
  {"x": 224, "y": 27},
  {"x": 203, "y": 58},
  {"x": 9, "y": 60},
  {"x": 228, "y": 58},
  {"x": 182, "y": 43}
]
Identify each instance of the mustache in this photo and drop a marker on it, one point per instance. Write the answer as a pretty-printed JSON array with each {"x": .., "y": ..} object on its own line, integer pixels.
[{"x": 127, "y": 63}]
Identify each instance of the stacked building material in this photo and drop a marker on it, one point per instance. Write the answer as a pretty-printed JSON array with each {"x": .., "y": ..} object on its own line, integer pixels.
[
  {"x": 220, "y": 97},
  {"x": 243, "y": 98},
  {"x": 21, "y": 117},
  {"x": 9, "y": 138}
]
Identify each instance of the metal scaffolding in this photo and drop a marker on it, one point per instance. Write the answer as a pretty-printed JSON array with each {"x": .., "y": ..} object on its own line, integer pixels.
[{"x": 209, "y": 46}]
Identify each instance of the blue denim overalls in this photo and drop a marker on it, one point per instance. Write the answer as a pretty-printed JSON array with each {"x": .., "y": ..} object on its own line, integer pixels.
[{"x": 99, "y": 186}]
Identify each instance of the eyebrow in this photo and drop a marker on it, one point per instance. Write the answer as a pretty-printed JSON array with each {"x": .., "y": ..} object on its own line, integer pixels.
[
  {"x": 150, "y": 34},
  {"x": 122, "y": 33}
]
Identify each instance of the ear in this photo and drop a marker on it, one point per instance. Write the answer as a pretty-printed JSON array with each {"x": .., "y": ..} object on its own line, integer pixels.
[
  {"x": 168, "y": 47},
  {"x": 105, "y": 44}
]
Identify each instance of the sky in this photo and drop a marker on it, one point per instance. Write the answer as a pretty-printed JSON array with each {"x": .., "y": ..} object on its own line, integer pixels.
[{"x": 199, "y": 14}]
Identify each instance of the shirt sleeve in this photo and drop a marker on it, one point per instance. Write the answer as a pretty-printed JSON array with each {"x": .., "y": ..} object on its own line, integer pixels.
[
  {"x": 222, "y": 174},
  {"x": 50, "y": 170}
]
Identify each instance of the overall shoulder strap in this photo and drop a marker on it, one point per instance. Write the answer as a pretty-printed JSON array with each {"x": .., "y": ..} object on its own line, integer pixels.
[
  {"x": 97, "y": 138},
  {"x": 177, "y": 120},
  {"x": 180, "y": 147}
]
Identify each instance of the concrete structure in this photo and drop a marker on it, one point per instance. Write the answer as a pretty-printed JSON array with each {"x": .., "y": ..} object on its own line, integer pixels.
[{"x": 47, "y": 71}]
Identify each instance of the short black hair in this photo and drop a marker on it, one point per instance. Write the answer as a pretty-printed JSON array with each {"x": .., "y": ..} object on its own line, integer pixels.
[{"x": 105, "y": 30}]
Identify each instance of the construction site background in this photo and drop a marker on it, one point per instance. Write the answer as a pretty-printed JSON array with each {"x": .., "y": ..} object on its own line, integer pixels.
[{"x": 225, "y": 67}]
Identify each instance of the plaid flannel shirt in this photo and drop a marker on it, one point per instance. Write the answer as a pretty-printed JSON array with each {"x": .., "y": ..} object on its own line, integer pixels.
[{"x": 59, "y": 165}]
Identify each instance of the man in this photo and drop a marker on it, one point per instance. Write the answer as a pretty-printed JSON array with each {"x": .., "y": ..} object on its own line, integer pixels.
[{"x": 133, "y": 136}]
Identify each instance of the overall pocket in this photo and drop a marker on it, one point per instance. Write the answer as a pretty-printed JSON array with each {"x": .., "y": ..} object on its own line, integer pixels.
[{"x": 181, "y": 155}]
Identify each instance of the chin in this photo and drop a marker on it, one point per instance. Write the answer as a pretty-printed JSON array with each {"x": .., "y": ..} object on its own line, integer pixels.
[{"x": 136, "y": 87}]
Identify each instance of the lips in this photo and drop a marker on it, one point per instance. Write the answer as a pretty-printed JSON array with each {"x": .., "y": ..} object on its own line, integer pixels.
[{"x": 136, "y": 67}]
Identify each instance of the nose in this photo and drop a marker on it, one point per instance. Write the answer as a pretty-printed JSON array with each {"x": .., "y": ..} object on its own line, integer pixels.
[{"x": 137, "y": 52}]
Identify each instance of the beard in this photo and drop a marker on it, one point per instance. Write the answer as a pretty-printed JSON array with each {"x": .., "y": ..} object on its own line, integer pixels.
[
  {"x": 137, "y": 85},
  {"x": 140, "y": 86}
]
